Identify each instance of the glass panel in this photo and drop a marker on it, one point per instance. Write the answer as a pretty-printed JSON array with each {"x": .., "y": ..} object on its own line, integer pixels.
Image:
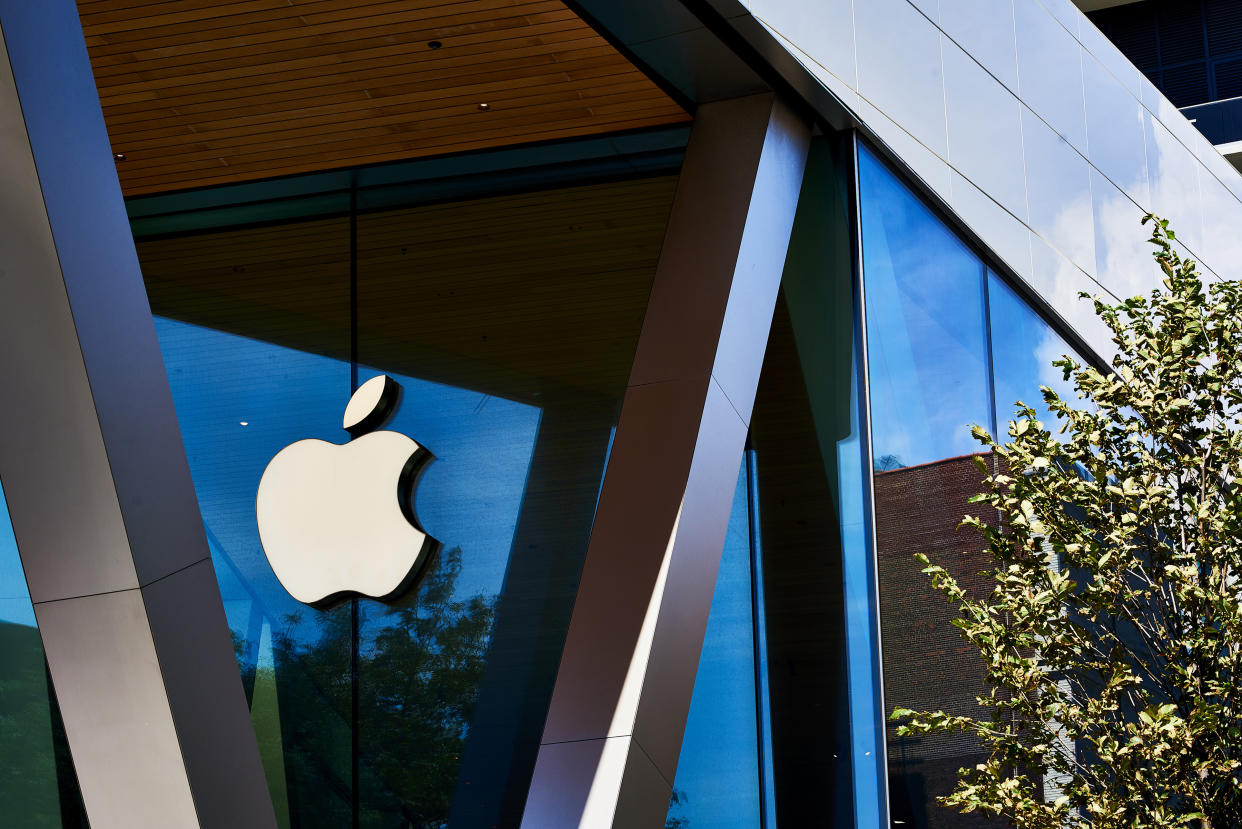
[
  {"x": 38, "y": 787},
  {"x": 511, "y": 322},
  {"x": 925, "y": 326},
  {"x": 717, "y": 782},
  {"x": 1174, "y": 176},
  {"x": 812, "y": 466},
  {"x": 254, "y": 329},
  {"x": 428, "y": 709},
  {"x": 1123, "y": 261},
  {"x": 1023, "y": 348},
  {"x": 928, "y": 372}
]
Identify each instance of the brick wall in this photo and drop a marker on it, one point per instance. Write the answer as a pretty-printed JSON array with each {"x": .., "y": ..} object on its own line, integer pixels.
[{"x": 927, "y": 665}]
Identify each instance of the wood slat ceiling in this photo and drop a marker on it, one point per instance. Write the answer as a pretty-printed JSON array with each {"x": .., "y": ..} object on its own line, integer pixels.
[
  {"x": 204, "y": 92},
  {"x": 513, "y": 295}
]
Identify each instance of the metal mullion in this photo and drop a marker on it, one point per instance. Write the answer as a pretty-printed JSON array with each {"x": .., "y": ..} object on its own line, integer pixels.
[{"x": 864, "y": 427}]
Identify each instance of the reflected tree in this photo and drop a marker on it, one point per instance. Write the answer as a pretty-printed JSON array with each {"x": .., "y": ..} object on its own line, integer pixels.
[
  {"x": 678, "y": 800},
  {"x": 418, "y": 665},
  {"x": 887, "y": 463}
]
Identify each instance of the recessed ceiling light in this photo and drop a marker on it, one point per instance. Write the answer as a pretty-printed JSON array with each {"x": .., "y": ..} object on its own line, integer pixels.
[
  {"x": 118, "y": 156},
  {"x": 243, "y": 423},
  {"x": 484, "y": 107},
  {"x": 434, "y": 44}
]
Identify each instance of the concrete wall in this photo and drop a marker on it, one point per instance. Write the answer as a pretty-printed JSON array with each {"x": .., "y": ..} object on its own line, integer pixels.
[{"x": 1033, "y": 128}]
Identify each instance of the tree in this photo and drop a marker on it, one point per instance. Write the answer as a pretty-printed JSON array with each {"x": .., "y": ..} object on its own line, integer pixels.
[{"x": 1112, "y": 632}]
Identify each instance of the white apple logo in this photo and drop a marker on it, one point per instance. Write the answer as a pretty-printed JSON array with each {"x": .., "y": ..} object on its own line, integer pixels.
[{"x": 337, "y": 519}]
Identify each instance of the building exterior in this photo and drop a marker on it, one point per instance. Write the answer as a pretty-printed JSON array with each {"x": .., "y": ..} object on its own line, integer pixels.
[
  {"x": 1192, "y": 52},
  {"x": 692, "y": 303}
]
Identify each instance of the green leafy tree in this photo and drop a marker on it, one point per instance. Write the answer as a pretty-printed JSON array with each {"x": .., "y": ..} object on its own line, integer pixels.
[{"x": 1112, "y": 632}]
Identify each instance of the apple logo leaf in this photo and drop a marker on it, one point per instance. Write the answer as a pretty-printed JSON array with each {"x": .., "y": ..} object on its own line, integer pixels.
[
  {"x": 371, "y": 405},
  {"x": 338, "y": 519}
]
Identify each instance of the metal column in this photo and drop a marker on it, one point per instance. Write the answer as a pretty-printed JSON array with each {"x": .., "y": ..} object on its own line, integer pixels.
[
  {"x": 94, "y": 470},
  {"x": 614, "y": 729}
]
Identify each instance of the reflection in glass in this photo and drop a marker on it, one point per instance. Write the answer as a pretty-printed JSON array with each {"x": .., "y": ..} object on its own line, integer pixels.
[
  {"x": 239, "y": 402},
  {"x": 1115, "y": 130},
  {"x": 1058, "y": 191},
  {"x": 510, "y": 323},
  {"x": 1023, "y": 348},
  {"x": 928, "y": 373},
  {"x": 925, "y": 326},
  {"x": 1050, "y": 72},
  {"x": 934, "y": 367},
  {"x": 717, "y": 782},
  {"x": 810, "y": 480},
  {"x": 38, "y": 787},
  {"x": 421, "y": 658},
  {"x": 893, "y": 33},
  {"x": 985, "y": 130}
]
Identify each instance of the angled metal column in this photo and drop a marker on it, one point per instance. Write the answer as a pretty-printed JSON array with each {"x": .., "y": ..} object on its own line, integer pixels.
[
  {"x": 614, "y": 729},
  {"x": 93, "y": 467}
]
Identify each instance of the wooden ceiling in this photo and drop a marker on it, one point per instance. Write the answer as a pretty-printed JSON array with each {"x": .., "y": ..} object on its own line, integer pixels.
[
  {"x": 206, "y": 92},
  {"x": 534, "y": 293}
]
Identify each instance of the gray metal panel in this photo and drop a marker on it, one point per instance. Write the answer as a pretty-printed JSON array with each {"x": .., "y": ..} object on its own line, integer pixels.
[
  {"x": 96, "y": 476},
  {"x": 560, "y": 788},
  {"x": 985, "y": 130},
  {"x": 638, "y": 506},
  {"x": 1050, "y": 72},
  {"x": 200, "y": 675},
  {"x": 644, "y": 799},
  {"x": 892, "y": 34},
  {"x": 627, "y": 671},
  {"x": 689, "y": 59},
  {"x": 673, "y": 663},
  {"x": 102, "y": 279},
  {"x": 1163, "y": 163},
  {"x": 117, "y": 718},
  {"x": 52, "y": 455},
  {"x": 681, "y": 332}
]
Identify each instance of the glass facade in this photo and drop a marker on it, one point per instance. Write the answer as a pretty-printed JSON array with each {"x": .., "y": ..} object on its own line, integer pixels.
[
  {"x": 950, "y": 345},
  {"x": 510, "y": 323},
  {"x": 38, "y": 788},
  {"x": 719, "y": 777}
]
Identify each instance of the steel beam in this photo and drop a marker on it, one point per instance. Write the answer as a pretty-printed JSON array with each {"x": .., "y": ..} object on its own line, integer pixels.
[
  {"x": 611, "y": 741},
  {"x": 94, "y": 470}
]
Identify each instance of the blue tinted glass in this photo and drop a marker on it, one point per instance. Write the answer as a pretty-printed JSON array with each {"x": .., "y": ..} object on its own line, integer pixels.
[
  {"x": 240, "y": 401},
  {"x": 427, "y": 709},
  {"x": 1023, "y": 348},
  {"x": 928, "y": 372},
  {"x": 925, "y": 326},
  {"x": 422, "y": 657},
  {"x": 38, "y": 787},
  {"x": 811, "y": 469},
  {"x": 717, "y": 782}
]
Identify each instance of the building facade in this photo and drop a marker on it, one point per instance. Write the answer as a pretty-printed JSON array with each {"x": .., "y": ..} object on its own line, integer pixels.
[{"x": 692, "y": 303}]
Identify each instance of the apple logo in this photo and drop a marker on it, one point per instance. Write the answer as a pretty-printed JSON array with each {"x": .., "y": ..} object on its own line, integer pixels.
[{"x": 337, "y": 519}]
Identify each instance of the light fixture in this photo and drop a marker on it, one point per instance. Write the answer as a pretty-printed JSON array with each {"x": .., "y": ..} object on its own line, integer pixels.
[
  {"x": 484, "y": 107},
  {"x": 434, "y": 44},
  {"x": 243, "y": 423},
  {"x": 118, "y": 156}
]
